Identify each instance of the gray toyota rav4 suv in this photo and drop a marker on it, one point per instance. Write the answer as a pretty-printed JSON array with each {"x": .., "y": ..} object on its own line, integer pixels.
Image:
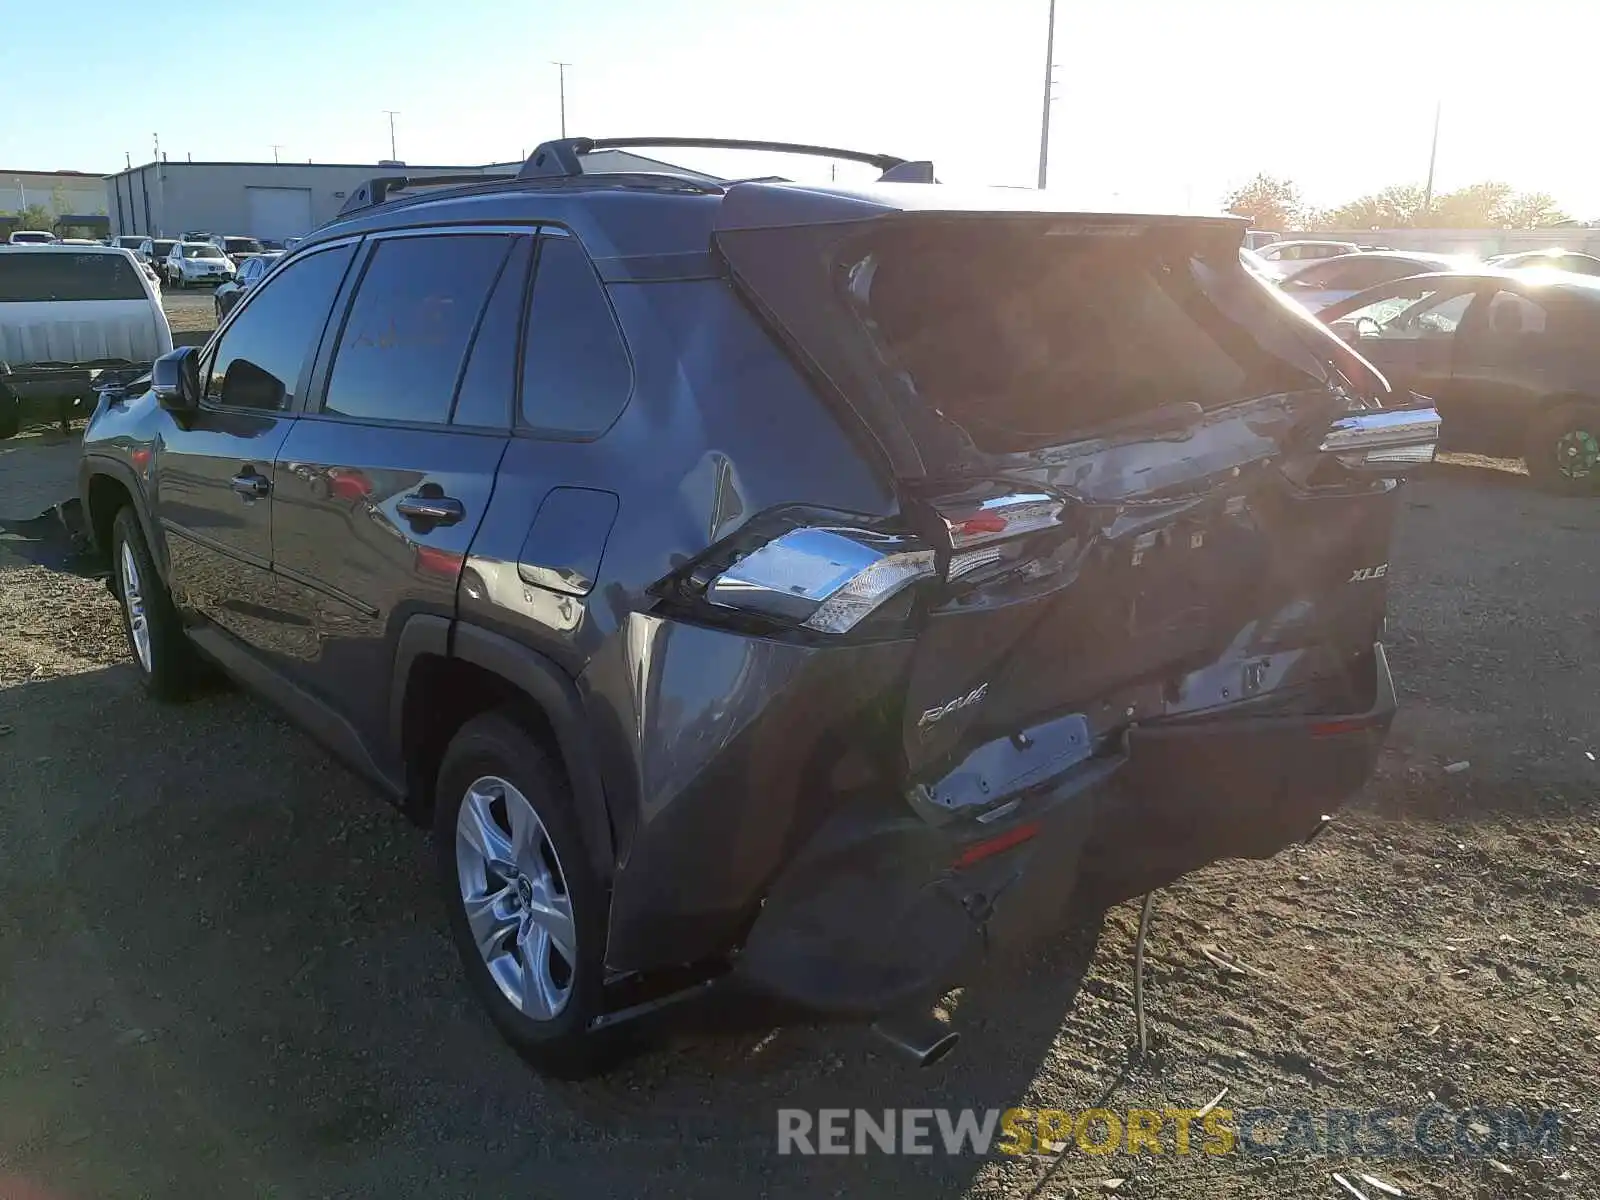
[{"x": 813, "y": 588}]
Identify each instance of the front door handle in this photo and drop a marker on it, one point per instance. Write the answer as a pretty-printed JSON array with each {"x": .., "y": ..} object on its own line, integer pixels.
[
  {"x": 437, "y": 510},
  {"x": 250, "y": 485}
]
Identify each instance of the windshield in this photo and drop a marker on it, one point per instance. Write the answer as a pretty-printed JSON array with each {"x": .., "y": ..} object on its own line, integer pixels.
[
  {"x": 130, "y": 243},
  {"x": 64, "y": 275},
  {"x": 32, "y": 239},
  {"x": 162, "y": 248},
  {"x": 207, "y": 250},
  {"x": 237, "y": 245}
]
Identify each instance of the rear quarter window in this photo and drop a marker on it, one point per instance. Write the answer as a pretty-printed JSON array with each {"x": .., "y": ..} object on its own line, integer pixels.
[
  {"x": 576, "y": 374},
  {"x": 64, "y": 275}
]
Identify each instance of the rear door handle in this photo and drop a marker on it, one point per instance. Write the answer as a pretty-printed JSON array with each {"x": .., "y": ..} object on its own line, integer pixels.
[
  {"x": 250, "y": 485},
  {"x": 438, "y": 510}
]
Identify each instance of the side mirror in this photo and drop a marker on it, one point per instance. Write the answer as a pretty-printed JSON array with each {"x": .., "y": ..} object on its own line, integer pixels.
[{"x": 175, "y": 380}]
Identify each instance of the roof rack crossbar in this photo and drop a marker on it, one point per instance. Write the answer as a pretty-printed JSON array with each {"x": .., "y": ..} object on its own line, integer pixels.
[
  {"x": 378, "y": 189},
  {"x": 561, "y": 157}
]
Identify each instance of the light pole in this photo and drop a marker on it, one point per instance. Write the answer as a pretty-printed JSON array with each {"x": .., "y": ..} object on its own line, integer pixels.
[
  {"x": 561, "y": 72},
  {"x": 276, "y": 146},
  {"x": 1433, "y": 157},
  {"x": 1049, "y": 73},
  {"x": 393, "y": 113}
]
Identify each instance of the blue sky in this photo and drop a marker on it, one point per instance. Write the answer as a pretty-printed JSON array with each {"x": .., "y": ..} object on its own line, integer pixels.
[{"x": 1161, "y": 102}]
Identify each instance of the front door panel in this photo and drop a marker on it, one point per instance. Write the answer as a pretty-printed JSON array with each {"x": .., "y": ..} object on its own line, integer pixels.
[{"x": 218, "y": 530}]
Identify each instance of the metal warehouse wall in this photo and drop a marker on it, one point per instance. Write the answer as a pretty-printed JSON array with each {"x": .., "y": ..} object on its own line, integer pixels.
[{"x": 167, "y": 198}]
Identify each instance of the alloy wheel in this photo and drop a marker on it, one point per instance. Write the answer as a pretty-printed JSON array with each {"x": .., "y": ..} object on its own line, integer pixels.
[
  {"x": 133, "y": 603},
  {"x": 1577, "y": 453},
  {"x": 516, "y": 899}
]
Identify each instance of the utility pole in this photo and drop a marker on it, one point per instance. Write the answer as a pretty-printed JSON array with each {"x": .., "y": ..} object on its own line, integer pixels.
[
  {"x": 561, "y": 72},
  {"x": 161, "y": 186},
  {"x": 276, "y": 146},
  {"x": 1049, "y": 81},
  {"x": 393, "y": 113},
  {"x": 1433, "y": 157}
]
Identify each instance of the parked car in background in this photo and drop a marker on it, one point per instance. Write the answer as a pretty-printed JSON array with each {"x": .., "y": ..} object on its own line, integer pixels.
[
  {"x": 200, "y": 235},
  {"x": 1553, "y": 260},
  {"x": 76, "y": 241},
  {"x": 1327, "y": 281},
  {"x": 1254, "y": 239},
  {"x": 128, "y": 241},
  {"x": 250, "y": 272},
  {"x": 236, "y": 248},
  {"x": 1258, "y": 266},
  {"x": 191, "y": 263},
  {"x": 826, "y": 691},
  {"x": 69, "y": 315},
  {"x": 1287, "y": 253},
  {"x": 31, "y": 237},
  {"x": 1512, "y": 362},
  {"x": 155, "y": 250}
]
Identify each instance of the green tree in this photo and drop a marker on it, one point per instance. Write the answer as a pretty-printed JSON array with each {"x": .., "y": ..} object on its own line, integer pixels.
[
  {"x": 1531, "y": 210},
  {"x": 1395, "y": 207},
  {"x": 1476, "y": 206},
  {"x": 1269, "y": 203},
  {"x": 35, "y": 216}
]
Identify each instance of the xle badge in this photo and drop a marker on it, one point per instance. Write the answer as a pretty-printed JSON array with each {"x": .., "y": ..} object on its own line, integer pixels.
[{"x": 1362, "y": 574}]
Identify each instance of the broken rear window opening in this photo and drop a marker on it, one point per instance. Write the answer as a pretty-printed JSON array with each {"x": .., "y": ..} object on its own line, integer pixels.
[
  {"x": 1022, "y": 334},
  {"x": 60, "y": 275}
]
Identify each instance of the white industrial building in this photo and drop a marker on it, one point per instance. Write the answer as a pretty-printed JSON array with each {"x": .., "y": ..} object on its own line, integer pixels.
[
  {"x": 60, "y": 191},
  {"x": 265, "y": 200},
  {"x": 273, "y": 200}
]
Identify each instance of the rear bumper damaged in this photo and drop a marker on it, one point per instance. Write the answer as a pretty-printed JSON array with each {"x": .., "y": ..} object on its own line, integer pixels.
[{"x": 881, "y": 909}]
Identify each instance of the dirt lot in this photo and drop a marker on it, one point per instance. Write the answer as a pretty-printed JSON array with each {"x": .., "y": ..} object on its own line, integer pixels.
[{"x": 223, "y": 971}]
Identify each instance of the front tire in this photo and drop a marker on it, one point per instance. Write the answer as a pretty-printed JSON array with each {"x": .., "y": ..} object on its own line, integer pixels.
[
  {"x": 167, "y": 663},
  {"x": 527, "y": 912},
  {"x": 1563, "y": 453}
]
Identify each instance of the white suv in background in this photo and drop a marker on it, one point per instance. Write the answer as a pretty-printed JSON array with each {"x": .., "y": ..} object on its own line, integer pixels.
[{"x": 197, "y": 262}]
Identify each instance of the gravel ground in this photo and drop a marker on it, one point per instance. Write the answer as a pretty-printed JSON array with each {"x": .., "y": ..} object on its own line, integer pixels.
[{"x": 223, "y": 970}]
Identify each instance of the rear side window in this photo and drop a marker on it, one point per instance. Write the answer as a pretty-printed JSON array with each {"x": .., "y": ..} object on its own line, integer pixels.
[
  {"x": 576, "y": 375},
  {"x": 406, "y": 335},
  {"x": 490, "y": 381},
  {"x": 62, "y": 275}
]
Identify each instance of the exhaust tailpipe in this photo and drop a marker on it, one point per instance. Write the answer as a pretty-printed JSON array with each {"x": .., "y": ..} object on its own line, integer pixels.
[{"x": 917, "y": 1036}]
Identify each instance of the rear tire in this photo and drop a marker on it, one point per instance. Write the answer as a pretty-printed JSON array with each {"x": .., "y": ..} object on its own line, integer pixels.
[
  {"x": 1563, "y": 454},
  {"x": 166, "y": 661},
  {"x": 539, "y": 910}
]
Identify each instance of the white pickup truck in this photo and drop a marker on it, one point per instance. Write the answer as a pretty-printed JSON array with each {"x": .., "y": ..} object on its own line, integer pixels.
[{"x": 72, "y": 317}]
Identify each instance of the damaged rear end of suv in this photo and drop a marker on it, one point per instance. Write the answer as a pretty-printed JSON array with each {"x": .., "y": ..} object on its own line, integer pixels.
[{"x": 1124, "y": 619}]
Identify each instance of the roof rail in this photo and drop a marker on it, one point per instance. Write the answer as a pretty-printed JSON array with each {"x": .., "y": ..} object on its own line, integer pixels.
[
  {"x": 562, "y": 157},
  {"x": 377, "y": 189}
]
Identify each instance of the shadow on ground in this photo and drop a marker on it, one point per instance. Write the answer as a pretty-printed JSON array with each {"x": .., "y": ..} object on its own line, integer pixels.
[{"x": 227, "y": 960}]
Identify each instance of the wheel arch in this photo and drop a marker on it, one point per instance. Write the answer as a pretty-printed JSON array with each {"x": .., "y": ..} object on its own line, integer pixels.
[
  {"x": 447, "y": 672},
  {"x": 108, "y": 485}
]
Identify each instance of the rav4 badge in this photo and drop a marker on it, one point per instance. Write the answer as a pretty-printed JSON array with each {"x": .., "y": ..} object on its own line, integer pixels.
[
  {"x": 960, "y": 702},
  {"x": 1362, "y": 574}
]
